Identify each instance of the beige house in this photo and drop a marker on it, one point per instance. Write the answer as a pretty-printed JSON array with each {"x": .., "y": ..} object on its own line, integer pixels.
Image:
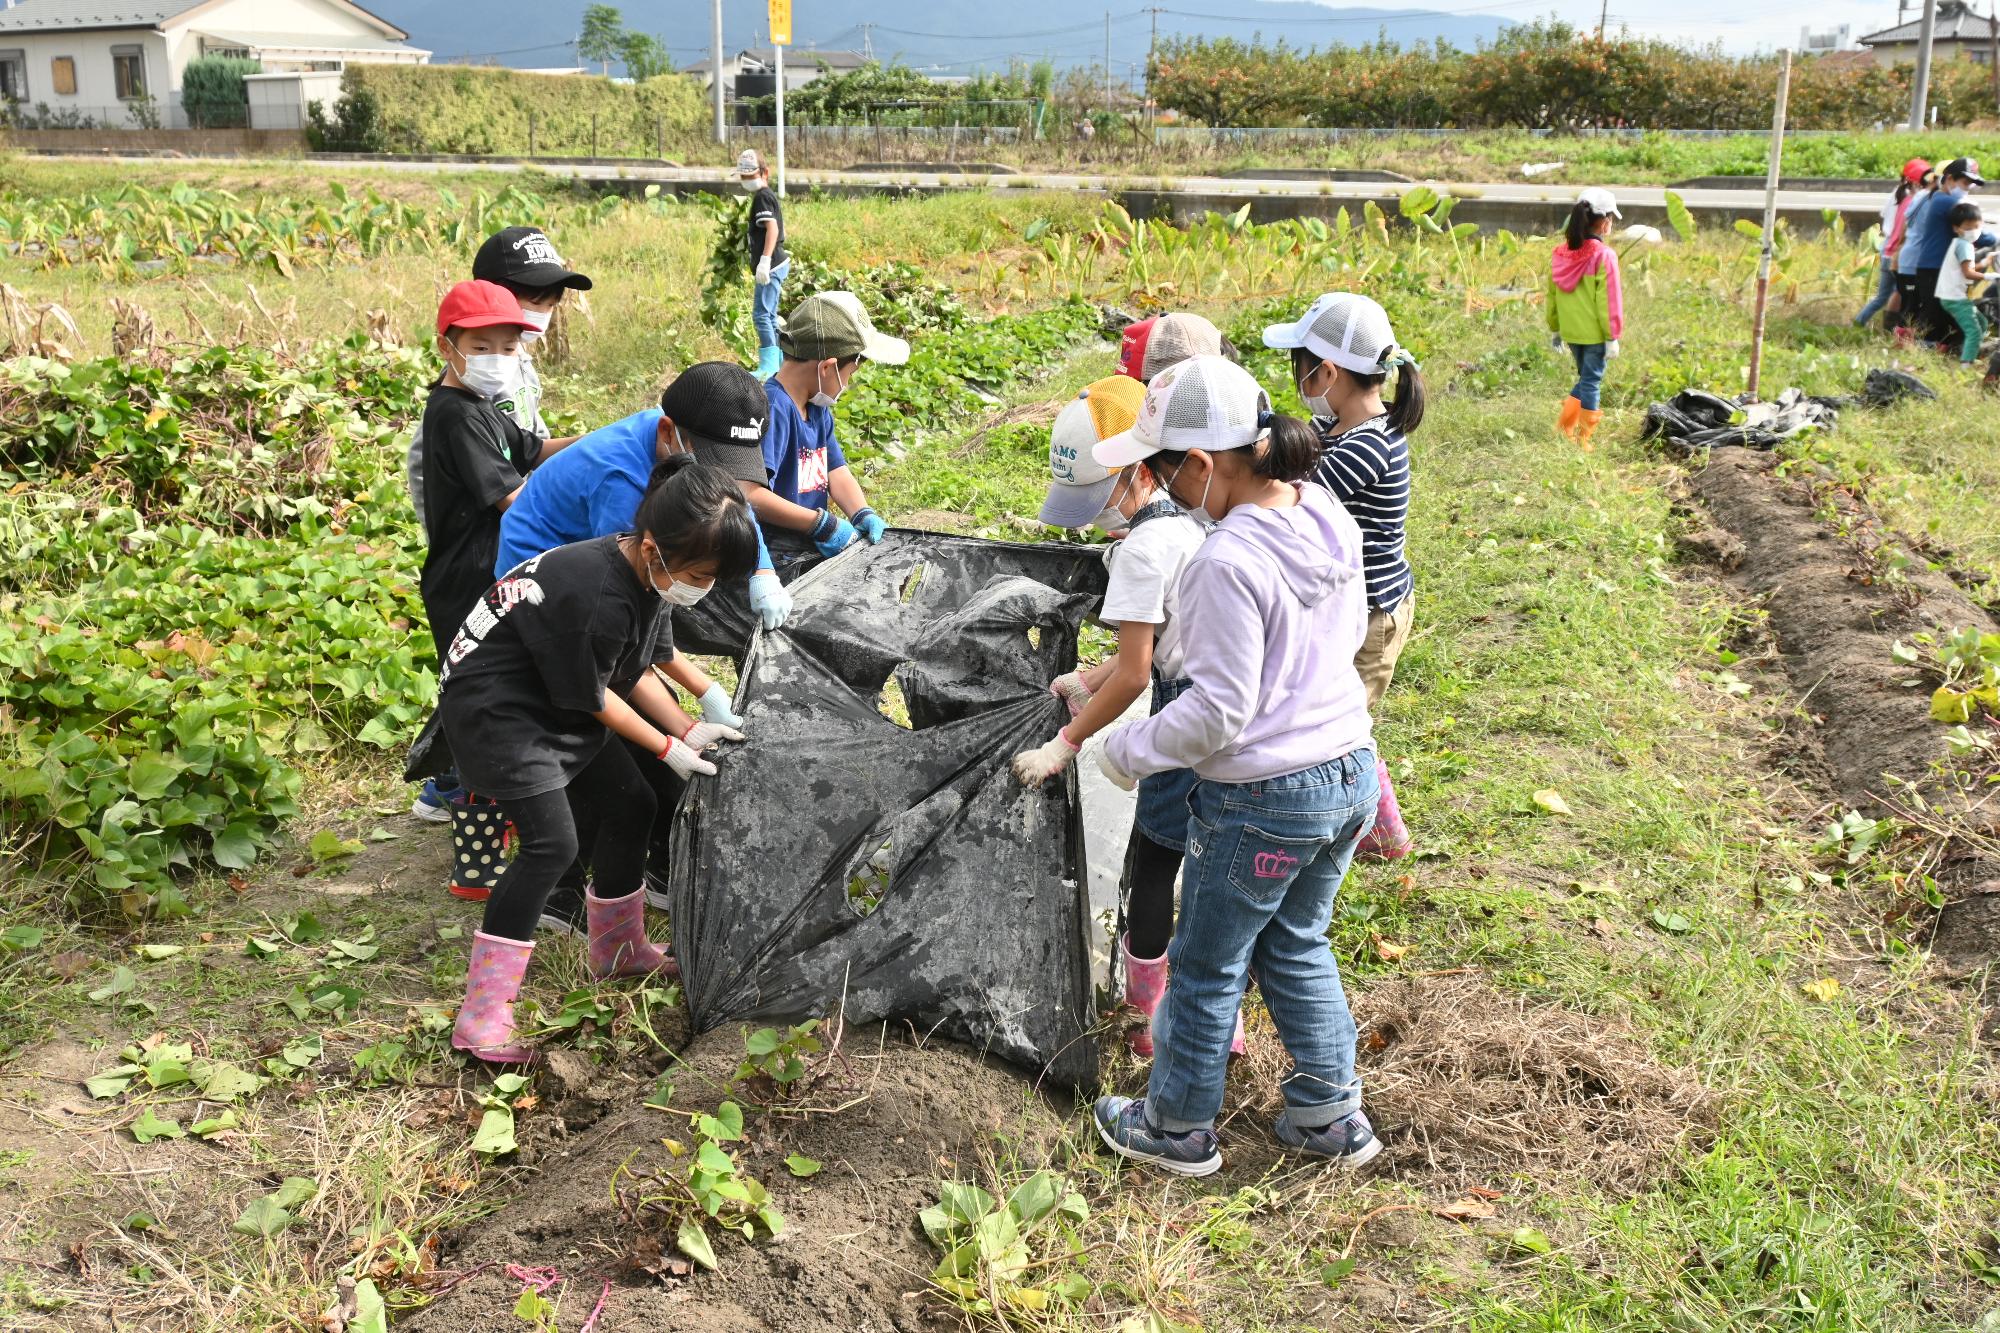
[
  {"x": 116, "y": 64},
  {"x": 1959, "y": 34}
]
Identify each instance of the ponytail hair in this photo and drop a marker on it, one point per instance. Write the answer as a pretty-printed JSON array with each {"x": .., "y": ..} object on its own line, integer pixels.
[
  {"x": 1289, "y": 449},
  {"x": 1577, "y": 230},
  {"x": 694, "y": 512},
  {"x": 1406, "y": 412}
]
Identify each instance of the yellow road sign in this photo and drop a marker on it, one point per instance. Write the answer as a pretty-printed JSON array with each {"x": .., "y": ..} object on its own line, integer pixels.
[{"x": 781, "y": 22}]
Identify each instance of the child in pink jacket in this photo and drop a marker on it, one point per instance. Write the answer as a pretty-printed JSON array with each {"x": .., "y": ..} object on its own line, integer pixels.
[{"x": 1586, "y": 307}]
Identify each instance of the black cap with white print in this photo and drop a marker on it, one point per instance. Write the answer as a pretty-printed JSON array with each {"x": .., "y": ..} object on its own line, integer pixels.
[{"x": 525, "y": 257}]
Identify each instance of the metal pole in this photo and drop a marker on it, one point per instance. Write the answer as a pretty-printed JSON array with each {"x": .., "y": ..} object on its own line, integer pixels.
[
  {"x": 1107, "y": 60},
  {"x": 531, "y": 134},
  {"x": 1603, "y": 13},
  {"x": 781, "y": 119},
  {"x": 1770, "y": 225},
  {"x": 1920, "y": 87},
  {"x": 1993, "y": 30},
  {"x": 715, "y": 75}
]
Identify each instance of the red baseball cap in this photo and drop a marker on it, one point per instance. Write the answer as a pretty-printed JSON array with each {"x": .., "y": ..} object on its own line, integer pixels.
[
  {"x": 1915, "y": 170},
  {"x": 479, "y": 305},
  {"x": 1132, "y": 348}
]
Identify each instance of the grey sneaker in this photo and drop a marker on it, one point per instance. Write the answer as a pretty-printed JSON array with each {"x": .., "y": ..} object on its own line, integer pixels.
[
  {"x": 1121, "y": 1123},
  {"x": 1350, "y": 1142}
]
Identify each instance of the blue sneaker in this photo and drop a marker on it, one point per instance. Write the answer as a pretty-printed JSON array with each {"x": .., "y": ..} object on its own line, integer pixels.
[
  {"x": 1350, "y": 1142},
  {"x": 433, "y": 803},
  {"x": 1121, "y": 1123}
]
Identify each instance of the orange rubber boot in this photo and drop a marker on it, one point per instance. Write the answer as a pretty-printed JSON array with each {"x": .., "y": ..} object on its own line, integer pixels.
[
  {"x": 1587, "y": 426},
  {"x": 1566, "y": 421}
]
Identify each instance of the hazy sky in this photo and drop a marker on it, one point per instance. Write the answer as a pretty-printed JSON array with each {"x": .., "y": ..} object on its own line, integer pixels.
[{"x": 1740, "y": 25}]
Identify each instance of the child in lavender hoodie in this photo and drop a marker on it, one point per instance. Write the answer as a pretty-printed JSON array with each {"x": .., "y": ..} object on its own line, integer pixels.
[{"x": 1274, "y": 722}]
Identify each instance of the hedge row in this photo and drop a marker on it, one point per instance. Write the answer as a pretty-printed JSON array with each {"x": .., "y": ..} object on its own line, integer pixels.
[
  {"x": 1542, "y": 75},
  {"x": 463, "y": 109}
]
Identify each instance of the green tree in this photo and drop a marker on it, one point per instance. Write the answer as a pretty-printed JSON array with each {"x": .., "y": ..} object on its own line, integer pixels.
[
  {"x": 603, "y": 35},
  {"x": 645, "y": 56}
]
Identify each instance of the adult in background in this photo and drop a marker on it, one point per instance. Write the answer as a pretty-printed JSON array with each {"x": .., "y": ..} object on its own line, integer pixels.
[
  {"x": 1929, "y": 235},
  {"x": 769, "y": 262},
  {"x": 1908, "y": 190}
]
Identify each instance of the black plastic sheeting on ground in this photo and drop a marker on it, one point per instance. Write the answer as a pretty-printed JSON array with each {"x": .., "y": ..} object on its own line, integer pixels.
[
  {"x": 981, "y": 933},
  {"x": 1885, "y": 388},
  {"x": 1693, "y": 420}
]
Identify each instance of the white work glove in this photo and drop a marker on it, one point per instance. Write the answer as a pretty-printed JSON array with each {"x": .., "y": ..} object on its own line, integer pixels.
[
  {"x": 685, "y": 760},
  {"x": 764, "y": 271},
  {"x": 1611, "y": 349},
  {"x": 1034, "y": 767},
  {"x": 715, "y": 706},
  {"x": 1119, "y": 777},
  {"x": 1556, "y": 341},
  {"x": 704, "y": 735},
  {"x": 1072, "y": 691},
  {"x": 769, "y": 599}
]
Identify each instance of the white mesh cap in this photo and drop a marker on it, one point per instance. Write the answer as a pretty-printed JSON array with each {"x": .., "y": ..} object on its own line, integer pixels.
[
  {"x": 1205, "y": 402},
  {"x": 1600, "y": 201},
  {"x": 1348, "y": 329},
  {"x": 748, "y": 163},
  {"x": 1175, "y": 338}
]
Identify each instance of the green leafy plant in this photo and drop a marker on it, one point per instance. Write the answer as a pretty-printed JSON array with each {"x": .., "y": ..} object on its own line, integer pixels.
[
  {"x": 774, "y": 1065},
  {"x": 707, "y": 1188},
  {"x": 991, "y": 1247},
  {"x": 1853, "y": 836}
]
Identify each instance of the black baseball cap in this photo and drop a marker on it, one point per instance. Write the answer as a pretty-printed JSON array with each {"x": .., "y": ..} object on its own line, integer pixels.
[
  {"x": 1965, "y": 167},
  {"x": 721, "y": 410},
  {"x": 526, "y": 257}
]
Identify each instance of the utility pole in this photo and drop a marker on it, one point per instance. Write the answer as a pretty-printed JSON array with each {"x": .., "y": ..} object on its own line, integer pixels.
[
  {"x": 1771, "y": 176},
  {"x": 867, "y": 41},
  {"x": 1993, "y": 31},
  {"x": 1920, "y": 87},
  {"x": 1603, "y": 13},
  {"x": 715, "y": 76},
  {"x": 1107, "y": 60}
]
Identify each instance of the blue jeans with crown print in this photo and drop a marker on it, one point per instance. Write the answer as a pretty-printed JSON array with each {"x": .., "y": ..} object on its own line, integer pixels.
[{"x": 1264, "y": 860}]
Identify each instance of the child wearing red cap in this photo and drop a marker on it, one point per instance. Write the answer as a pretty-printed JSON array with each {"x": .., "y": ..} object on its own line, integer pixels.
[{"x": 1908, "y": 190}]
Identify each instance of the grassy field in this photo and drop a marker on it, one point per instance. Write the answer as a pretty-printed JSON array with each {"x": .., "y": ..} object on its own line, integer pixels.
[{"x": 1649, "y": 1049}]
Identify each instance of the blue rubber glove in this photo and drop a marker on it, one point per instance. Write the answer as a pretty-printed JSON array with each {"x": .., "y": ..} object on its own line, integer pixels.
[
  {"x": 869, "y": 524},
  {"x": 769, "y": 599},
  {"x": 832, "y": 534},
  {"x": 715, "y": 707}
]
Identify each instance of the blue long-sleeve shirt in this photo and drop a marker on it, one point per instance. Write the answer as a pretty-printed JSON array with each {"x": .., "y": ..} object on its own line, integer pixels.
[{"x": 1927, "y": 232}]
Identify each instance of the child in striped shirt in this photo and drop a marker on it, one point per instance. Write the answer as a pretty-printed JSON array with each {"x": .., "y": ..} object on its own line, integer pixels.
[{"x": 1342, "y": 352}]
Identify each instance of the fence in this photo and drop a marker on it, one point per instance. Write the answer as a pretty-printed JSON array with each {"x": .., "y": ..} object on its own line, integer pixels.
[{"x": 139, "y": 114}]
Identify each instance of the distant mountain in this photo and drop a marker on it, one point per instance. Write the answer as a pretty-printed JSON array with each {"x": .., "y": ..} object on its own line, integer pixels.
[{"x": 954, "y": 36}]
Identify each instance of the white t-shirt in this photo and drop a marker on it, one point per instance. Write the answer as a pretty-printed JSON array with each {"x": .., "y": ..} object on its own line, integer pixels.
[
  {"x": 1145, "y": 583},
  {"x": 1952, "y": 285}
]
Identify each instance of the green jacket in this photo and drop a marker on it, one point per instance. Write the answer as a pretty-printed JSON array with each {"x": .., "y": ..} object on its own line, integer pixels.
[{"x": 1586, "y": 305}]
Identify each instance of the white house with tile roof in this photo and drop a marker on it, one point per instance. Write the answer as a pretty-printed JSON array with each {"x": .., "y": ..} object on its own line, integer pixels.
[{"x": 96, "y": 62}]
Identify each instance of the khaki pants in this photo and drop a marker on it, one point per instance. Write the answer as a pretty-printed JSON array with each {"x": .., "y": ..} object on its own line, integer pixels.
[{"x": 1388, "y": 631}]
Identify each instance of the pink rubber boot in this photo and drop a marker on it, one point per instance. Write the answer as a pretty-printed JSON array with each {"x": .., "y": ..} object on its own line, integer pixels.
[
  {"x": 485, "y": 1027},
  {"x": 618, "y": 943},
  {"x": 1389, "y": 839},
  {"x": 1145, "y": 983}
]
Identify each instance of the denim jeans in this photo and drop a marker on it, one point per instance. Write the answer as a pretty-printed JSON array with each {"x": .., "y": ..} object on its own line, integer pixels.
[
  {"x": 1589, "y": 358},
  {"x": 1885, "y": 287},
  {"x": 764, "y": 305},
  {"x": 1264, "y": 860}
]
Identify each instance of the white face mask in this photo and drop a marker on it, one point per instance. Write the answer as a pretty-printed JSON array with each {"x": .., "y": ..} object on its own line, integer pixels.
[
  {"x": 748, "y": 184},
  {"x": 820, "y": 397},
  {"x": 677, "y": 593},
  {"x": 1113, "y": 518},
  {"x": 1199, "y": 510},
  {"x": 1316, "y": 404},
  {"x": 538, "y": 324},
  {"x": 490, "y": 376}
]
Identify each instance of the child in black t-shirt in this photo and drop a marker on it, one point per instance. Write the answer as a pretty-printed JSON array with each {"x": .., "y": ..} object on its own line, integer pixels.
[{"x": 548, "y": 705}]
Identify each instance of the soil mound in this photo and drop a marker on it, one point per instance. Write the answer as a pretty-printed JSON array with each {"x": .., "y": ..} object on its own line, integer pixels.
[{"x": 852, "y": 1257}]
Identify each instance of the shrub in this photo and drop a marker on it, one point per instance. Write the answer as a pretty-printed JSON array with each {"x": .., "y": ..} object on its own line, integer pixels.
[
  {"x": 212, "y": 91},
  {"x": 459, "y": 109}
]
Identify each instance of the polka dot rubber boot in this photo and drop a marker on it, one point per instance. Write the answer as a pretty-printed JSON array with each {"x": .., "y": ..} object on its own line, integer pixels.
[
  {"x": 485, "y": 1027},
  {"x": 618, "y": 943},
  {"x": 479, "y": 848}
]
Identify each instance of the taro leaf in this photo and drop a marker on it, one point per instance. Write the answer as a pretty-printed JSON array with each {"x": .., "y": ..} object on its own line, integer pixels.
[
  {"x": 360, "y": 953},
  {"x": 262, "y": 946},
  {"x": 964, "y": 1203},
  {"x": 19, "y": 939},
  {"x": 496, "y": 1132},
  {"x": 202, "y": 1129},
  {"x": 803, "y": 1166},
  {"x": 221, "y": 1081},
  {"x": 150, "y": 1126},
  {"x": 1036, "y": 1197},
  {"x": 112, "y": 1081},
  {"x": 121, "y": 981},
  {"x": 327, "y": 846},
  {"x": 1671, "y": 922},
  {"x": 153, "y": 953},
  {"x": 1679, "y": 218},
  {"x": 692, "y": 1241}
]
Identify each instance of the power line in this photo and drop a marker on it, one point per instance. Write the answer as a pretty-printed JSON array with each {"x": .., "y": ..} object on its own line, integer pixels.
[{"x": 1091, "y": 26}]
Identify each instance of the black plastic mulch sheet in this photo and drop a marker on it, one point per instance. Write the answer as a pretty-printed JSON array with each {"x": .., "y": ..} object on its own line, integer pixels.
[
  {"x": 981, "y": 931},
  {"x": 1693, "y": 420}
]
